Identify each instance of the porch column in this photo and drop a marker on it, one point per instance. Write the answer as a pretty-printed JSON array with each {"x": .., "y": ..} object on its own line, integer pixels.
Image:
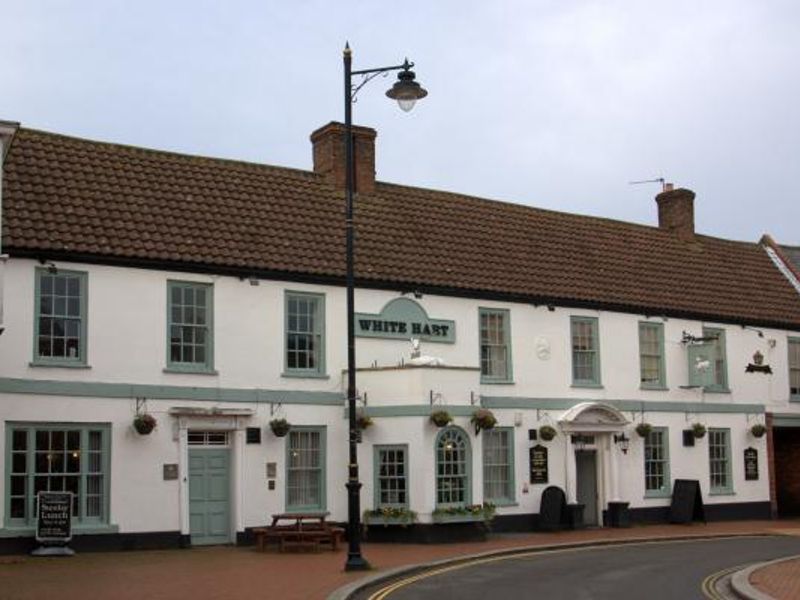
[
  {"x": 613, "y": 469},
  {"x": 569, "y": 461}
]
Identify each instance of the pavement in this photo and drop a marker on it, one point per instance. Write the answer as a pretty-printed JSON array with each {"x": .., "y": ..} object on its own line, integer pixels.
[
  {"x": 778, "y": 579},
  {"x": 222, "y": 573}
]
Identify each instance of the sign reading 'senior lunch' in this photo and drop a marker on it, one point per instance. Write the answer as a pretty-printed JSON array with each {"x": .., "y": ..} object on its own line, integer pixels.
[
  {"x": 53, "y": 517},
  {"x": 403, "y": 319}
]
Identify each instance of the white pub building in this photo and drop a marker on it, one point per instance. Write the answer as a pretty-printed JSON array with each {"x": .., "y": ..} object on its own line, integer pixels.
[{"x": 207, "y": 296}]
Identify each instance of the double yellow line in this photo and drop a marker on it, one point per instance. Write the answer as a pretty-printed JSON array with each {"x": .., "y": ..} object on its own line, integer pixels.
[{"x": 709, "y": 585}]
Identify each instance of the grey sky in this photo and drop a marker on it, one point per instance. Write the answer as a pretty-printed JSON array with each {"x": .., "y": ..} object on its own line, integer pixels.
[{"x": 554, "y": 104}]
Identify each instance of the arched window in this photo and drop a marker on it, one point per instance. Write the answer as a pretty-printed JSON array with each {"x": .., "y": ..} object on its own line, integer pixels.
[{"x": 453, "y": 467}]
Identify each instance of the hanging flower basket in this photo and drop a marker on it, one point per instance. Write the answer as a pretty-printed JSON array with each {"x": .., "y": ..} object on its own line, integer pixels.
[
  {"x": 483, "y": 419},
  {"x": 280, "y": 427},
  {"x": 698, "y": 430},
  {"x": 441, "y": 418},
  {"x": 144, "y": 423},
  {"x": 547, "y": 433},
  {"x": 363, "y": 421},
  {"x": 758, "y": 430},
  {"x": 644, "y": 429}
]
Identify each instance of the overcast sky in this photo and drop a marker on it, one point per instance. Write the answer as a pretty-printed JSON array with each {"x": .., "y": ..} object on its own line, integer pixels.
[{"x": 555, "y": 104}]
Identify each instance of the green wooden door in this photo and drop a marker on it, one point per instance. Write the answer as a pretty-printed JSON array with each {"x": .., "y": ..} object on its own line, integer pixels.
[{"x": 209, "y": 496}]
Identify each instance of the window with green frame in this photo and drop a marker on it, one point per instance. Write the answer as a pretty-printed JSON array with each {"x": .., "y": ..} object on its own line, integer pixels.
[
  {"x": 498, "y": 465},
  {"x": 391, "y": 476},
  {"x": 305, "y": 468},
  {"x": 719, "y": 461},
  {"x": 305, "y": 334},
  {"x": 585, "y": 351},
  {"x": 190, "y": 327},
  {"x": 656, "y": 463},
  {"x": 495, "y": 336},
  {"x": 718, "y": 375},
  {"x": 60, "y": 320},
  {"x": 652, "y": 374},
  {"x": 794, "y": 368},
  {"x": 71, "y": 457},
  {"x": 453, "y": 468}
]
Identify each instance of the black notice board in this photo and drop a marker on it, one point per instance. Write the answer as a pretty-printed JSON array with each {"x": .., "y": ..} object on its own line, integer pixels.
[
  {"x": 54, "y": 517},
  {"x": 751, "y": 464},
  {"x": 538, "y": 464},
  {"x": 687, "y": 502}
]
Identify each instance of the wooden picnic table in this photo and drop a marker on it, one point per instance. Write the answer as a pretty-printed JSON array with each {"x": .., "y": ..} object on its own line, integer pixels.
[{"x": 299, "y": 530}]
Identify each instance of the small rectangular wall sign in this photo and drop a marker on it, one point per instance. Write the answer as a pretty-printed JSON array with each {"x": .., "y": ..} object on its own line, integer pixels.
[
  {"x": 539, "y": 469},
  {"x": 253, "y": 435},
  {"x": 170, "y": 471},
  {"x": 751, "y": 464},
  {"x": 272, "y": 470}
]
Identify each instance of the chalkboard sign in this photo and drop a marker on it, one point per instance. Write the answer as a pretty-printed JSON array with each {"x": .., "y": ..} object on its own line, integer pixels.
[
  {"x": 751, "y": 464},
  {"x": 553, "y": 509},
  {"x": 54, "y": 517},
  {"x": 687, "y": 502},
  {"x": 538, "y": 464}
]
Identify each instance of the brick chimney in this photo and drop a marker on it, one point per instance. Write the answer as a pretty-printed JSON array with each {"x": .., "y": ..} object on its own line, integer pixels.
[
  {"x": 329, "y": 155},
  {"x": 676, "y": 211}
]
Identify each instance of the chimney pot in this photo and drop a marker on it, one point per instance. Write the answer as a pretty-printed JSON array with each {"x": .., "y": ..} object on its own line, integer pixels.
[
  {"x": 328, "y": 144},
  {"x": 676, "y": 211}
]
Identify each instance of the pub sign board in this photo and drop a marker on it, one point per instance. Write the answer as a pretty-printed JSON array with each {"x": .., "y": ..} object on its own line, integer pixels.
[
  {"x": 538, "y": 464},
  {"x": 404, "y": 319},
  {"x": 751, "y": 464},
  {"x": 54, "y": 517}
]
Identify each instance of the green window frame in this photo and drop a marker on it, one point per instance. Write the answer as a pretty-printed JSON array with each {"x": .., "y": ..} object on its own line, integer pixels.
[
  {"x": 652, "y": 372},
  {"x": 718, "y": 375},
  {"x": 719, "y": 461},
  {"x": 657, "y": 483},
  {"x": 390, "y": 464},
  {"x": 304, "y": 327},
  {"x": 190, "y": 327},
  {"x": 794, "y": 369},
  {"x": 453, "y": 468},
  {"x": 306, "y": 468},
  {"x": 585, "y": 352},
  {"x": 494, "y": 327},
  {"x": 73, "y": 457},
  {"x": 498, "y": 465},
  {"x": 60, "y": 320}
]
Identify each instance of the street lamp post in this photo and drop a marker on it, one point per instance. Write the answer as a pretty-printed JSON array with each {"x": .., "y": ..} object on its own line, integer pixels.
[{"x": 406, "y": 91}]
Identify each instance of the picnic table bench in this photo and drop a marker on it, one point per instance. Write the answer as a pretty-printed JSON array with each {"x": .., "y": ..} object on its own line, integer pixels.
[{"x": 299, "y": 530}]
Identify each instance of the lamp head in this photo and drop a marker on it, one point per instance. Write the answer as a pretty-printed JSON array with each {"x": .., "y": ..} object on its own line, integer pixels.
[{"x": 405, "y": 90}]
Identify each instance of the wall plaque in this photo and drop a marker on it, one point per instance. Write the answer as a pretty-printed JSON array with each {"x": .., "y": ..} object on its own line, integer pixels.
[
  {"x": 54, "y": 517},
  {"x": 538, "y": 464},
  {"x": 751, "y": 464},
  {"x": 272, "y": 470},
  {"x": 170, "y": 471},
  {"x": 403, "y": 319}
]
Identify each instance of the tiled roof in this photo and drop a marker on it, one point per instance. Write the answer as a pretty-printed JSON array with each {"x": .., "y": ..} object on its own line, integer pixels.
[{"x": 71, "y": 197}]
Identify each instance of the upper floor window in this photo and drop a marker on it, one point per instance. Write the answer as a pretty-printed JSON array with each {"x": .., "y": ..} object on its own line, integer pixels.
[
  {"x": 585, "y": 351},
  {"x": 718, "y": 372},
  {"x": 190, "y": 327},
  {"x": 719, "y": 459},
  {"x": 656, "y": 463},
  {"x": 391, "y": 476},
  {"x": 794, "y": 368},
  {"x": 305, "y": 334},
  {"x": 651, "y": 355},
  {"x": 495, "y": 332},
  {"x": 60, "y": 322},
  {"x": 453, "y": 467},
  {"x": 498, "y": 465}
]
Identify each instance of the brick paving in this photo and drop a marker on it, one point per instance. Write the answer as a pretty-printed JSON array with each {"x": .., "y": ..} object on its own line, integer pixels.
[
  {"x": 780, "y": 580},
  {"x": 218, "y": 573}
]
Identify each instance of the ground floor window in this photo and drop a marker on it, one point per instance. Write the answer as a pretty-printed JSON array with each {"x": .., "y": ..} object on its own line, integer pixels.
[
  {"x": 305, "y": 469},
  {"x": 391, "y": 476},
  {"x": 719, "y": 455},
  {"x": 453, "y": 466},
  {"x": 656, "y": 462},
  {"x": 498, "y": 465},
  {"x": 57, "y": 458}
]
